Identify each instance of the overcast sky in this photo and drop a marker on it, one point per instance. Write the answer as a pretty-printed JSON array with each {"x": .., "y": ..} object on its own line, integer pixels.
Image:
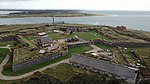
[{"x": 77, "y": 4}]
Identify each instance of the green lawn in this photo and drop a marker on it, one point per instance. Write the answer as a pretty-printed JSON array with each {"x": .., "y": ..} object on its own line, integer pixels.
[
  {"x": 30, "y": 37},
  {"x": 27, "y": 42},
  {"x": 7, "y": 42},
  {"x": 84, "y": 35},
  {"x": 6, "y": 82},
  {"x": 144, "y": 54},
  {"x": 101, "y": 36},
  {"x": 3, "y": 53},
  {"x": 103, "y": 46},
  {"x": 77, "y": 50},
  {"x": 57, "y": 36},
  {"x": 64, "y": 71}
]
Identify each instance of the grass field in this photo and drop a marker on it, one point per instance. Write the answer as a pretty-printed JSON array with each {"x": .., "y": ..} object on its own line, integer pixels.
[
  {"x": 3, "y": 53},
  {"x": 84, "y": 35},
  {"x": 77, "y": 50},
  {"x": 101, "y": 36},
  {"x": 30, "y": 37},
  {"x": 25, "y": 41},
  {"x": 72, "y": 75},
  {"x": 17, "y": 27},
  {"x": 7, "y": 42},
  {"x": 103, "y": 46},
  {"x": 57, "y": 36},
  {"x": 64, "y": 71},
  {"x": 143, "y": 53}
]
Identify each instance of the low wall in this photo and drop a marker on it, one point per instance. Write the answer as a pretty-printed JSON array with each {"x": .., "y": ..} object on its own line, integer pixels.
[
  {"x": 71, "y": 45},
  {"x": 99, "y": 41},
  {"x": 9, "y": 38},
  {"x": 33, "y": 62}
]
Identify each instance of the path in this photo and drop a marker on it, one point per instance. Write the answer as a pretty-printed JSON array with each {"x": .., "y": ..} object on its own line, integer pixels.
[
  {"x": 95, "y": 35},
  {"x": 3, "y": 77},
  {"x": 95, "y": 49},
  {"x": 8, "y": 47}
]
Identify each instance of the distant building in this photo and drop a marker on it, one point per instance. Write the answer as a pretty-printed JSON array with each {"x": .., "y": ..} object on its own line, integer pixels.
[
  {"x": 104, "y": 67},
  {"x": 77, "y": 30},
  {"x": 121, "y": 28},
  {"x": 56, "y": 31},
  {"x": 82, "y": 30},
  {"x": 46, "y": 41},
  {"x": 72, "y": 29},
  {"x": 69, "y": 32}
]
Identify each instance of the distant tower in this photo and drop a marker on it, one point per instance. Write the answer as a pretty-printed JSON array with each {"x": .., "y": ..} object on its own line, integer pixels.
[{"x": 53, "y": 20}]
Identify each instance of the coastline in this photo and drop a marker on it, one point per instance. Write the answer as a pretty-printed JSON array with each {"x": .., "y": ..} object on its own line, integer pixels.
[{"x": 51, "y": 15}]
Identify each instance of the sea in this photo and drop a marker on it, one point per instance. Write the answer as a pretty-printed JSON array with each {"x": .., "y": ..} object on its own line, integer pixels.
[{"x": 139, "y": 20}]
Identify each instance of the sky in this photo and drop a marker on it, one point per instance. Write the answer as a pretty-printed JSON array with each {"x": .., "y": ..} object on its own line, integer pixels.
[{"x": 77, "y": 4}]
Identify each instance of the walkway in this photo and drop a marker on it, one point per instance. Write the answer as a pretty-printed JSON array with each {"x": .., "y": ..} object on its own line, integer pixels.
[
  {"x": 8, "y": 47},
  {"x": 3, "y": 77}
]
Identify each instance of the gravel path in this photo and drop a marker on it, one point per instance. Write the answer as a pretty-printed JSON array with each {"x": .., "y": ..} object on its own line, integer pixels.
[{"x": 3, "y": 77}]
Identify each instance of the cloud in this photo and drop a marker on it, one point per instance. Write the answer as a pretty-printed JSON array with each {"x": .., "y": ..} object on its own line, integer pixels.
[{"x": 77, "y": 4}]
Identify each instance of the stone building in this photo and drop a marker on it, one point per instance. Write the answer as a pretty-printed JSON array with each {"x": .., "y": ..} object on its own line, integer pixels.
[
  {"x": 46, "y": 41},
  {"x": 103, "y": 67},
  {"x": 77, "y": 29}
]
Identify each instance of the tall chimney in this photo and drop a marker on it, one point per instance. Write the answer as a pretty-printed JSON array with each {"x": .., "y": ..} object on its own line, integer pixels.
[{"x": 53, "y": 20}]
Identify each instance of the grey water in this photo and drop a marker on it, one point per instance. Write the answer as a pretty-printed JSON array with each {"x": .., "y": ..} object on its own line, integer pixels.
[{"x": 139, "y": 20}]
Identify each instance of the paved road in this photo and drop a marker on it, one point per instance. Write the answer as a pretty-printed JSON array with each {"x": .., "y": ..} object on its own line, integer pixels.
[
  {"x": 95, "y": 49},
  {"x": 3, "y": 77}
]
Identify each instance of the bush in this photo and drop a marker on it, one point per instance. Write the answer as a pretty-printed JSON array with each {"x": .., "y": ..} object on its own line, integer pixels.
[{"x": 42, "y": 79}]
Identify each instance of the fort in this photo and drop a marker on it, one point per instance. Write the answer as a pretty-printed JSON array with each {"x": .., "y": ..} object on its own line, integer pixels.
[{"x": 47, "y": 42}]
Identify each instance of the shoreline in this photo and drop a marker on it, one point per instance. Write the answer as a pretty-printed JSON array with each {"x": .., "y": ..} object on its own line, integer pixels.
[{"x": 51, "y": 15}]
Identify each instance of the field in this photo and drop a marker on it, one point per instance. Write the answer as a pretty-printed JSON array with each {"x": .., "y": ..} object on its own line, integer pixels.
[
  {"x": 101, "y": 36},
  {"x": 119, "y": 37},
  {"x": 57, "y": 36},
  {"x": 143, "y": 53},
  {"x": 86, "y": 36},
  {"x": 83, "y": 35},
  {"x": 64, "y": 71},
  {"x": 103, "y": 46},
  {"x": 22, "y": 54},
  {"x": 77, "y": 50},
  {"x": 18, "y": 27},
  {"x": 7, "y": 42},
  {"x": 25, "y": 41},
  {"x": 3, "y": 53},
  {"x": 76, "y": 75}
]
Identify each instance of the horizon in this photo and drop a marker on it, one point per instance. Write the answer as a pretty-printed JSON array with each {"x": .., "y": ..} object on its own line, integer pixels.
[{"x": 72, "y": 9}]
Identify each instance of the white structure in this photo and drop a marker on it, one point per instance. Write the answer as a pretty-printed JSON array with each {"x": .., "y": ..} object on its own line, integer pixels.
[
  {"x": 42, "y": 34},
  {"x": 42, "y": 51}
]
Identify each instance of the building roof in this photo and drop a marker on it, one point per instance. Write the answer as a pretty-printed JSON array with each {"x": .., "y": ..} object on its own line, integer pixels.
[
  {"x": 46, "y": 39},
  {"x": 42, "y": 51},
  {"x": 42, "y": 33},
  {"x": 106, "y": 66}
]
